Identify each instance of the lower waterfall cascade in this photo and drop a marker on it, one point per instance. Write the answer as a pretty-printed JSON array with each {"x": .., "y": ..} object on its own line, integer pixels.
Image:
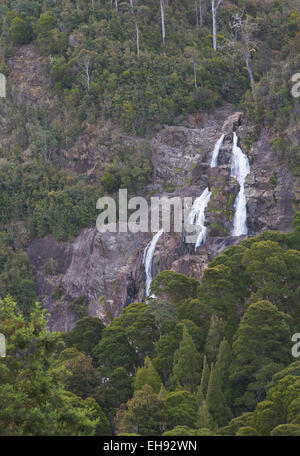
[
  {"x": 240, "y": 168},
  {"x": 197, "y": 216},
  {"x": 148, "y": 259}
]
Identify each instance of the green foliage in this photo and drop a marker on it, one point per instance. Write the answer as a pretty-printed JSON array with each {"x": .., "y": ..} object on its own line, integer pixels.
[
  {"x": 34, "y": 400},
  {"x": 86, "y": 334},
  {"x": 174, "y": 287},
  {"x": 100, "y": 93},
  {"x": 202, "y": 390},
  {"x": 80, "y": 307},
  {"x": 186, "y": 367},
  {"x": 246, "y": 431},
  {"x": 216, "y": 402},
  {"x": 147, "y": 375},
  {"x": 181, "y": 408},
  {"x": 131, "y": 170},
  {"x": 260, "y": 349},
  {"x": 144, "y": 414},
  {"x": 20, "y": 30}
]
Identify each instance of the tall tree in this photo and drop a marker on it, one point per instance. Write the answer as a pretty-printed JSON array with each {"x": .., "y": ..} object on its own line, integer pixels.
[
  {"x": 214, "y": 338},
  {"x": 162, "y": 13},
  {"x": 204, "y": 418},
  {"x": 216, "y": 402},
  {"x": 243, "y": 41},
  {"x": 147, "y": 375},
  {"x": 137, "y": 31},
  {"x": 144, "y": 414},
  {"x": 214, "y": 8},
  {"x": 202, "y": 390},
  {"x": 261, "y": 347},
  {"x": 186, "y": 368},
  {"x": 222, "y": 363}
]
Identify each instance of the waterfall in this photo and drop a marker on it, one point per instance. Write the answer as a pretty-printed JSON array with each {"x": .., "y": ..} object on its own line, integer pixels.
[
  {"x": 197, "y": 216},
  {"x": 215, "y": 154},
  {"x": 148, "y": 259},
  {"x": 240, "y": 168}
]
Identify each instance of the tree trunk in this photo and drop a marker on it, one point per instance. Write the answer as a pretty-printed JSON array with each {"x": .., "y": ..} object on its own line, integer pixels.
[
  {"x": 200, "y": 13},
  {"x": 195, "y": 75},
  {"x": 196, "y": 13},
  {"x": 214, "y": 12},
  {"x": 162, "y": 11},
  {"x": 252, "y": 82},
  {"x": 137, "y": 39},
  {"x": 87, "y": 73}
]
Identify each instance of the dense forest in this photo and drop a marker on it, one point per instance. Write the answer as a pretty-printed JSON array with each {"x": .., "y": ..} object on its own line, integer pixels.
[{"x": 197, "y": 359}]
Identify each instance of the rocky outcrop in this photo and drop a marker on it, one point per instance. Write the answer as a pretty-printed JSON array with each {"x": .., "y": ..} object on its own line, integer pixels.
[
  {"x": 232, "y": 123},
  {"x": 107, "y": 269},
  {"x": 272, "y": 191}
]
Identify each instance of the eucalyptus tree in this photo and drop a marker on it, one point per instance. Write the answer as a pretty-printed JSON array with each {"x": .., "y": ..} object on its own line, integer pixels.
[
  {"x": 214, "y": 8},
  {"x": 243, "y": 41},
  {"x": 163, "y": 28},
  {"x": 137, "y": 31}
]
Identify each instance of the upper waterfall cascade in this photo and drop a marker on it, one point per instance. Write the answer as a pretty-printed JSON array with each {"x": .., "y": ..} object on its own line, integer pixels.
[
  {"x": 148, "y": 259},
  {"x": 240, "y": 168}
]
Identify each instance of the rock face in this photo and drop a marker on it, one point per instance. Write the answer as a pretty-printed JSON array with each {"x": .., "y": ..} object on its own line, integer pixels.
[
  {"x": 271, "y": 189},
  {"x": 107, "y": 268}
]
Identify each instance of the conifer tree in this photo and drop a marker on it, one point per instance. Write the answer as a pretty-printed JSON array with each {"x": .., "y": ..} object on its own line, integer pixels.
[
  {"x": 147, "y": 375},
  {"x": 216, "y": 402},
  {"x": 214, "y": 338},
  {"x": 163, "y": 392},
  {"x": 204, "y": 418},
  {"x": 202, "y": 390},
  {"x": 186, "y": 367},
  {"x": 222, "y": 364}
]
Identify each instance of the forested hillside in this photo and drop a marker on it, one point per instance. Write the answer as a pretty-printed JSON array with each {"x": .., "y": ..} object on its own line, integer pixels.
[{"x": 104, "y": 95}]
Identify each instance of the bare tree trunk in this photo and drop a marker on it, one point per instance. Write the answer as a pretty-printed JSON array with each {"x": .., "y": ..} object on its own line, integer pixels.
[
  {"x": 196, "y": 13},
  {"x": 162, "y": 11},
  {"x": 214, "y": 8},
  {"x": 137, "y": 39},
  {"x": 252, "y": 82},
  {"x": 200, "y": 13},
  {"x": 93, "y": 5},
  {"x": 195, "y": 74},
  {"x": 214, "y": 12},
  {"x": 136, "y": 28},
  {"x": 87, "y": 77},
  {"x": 117, "y": 6}
]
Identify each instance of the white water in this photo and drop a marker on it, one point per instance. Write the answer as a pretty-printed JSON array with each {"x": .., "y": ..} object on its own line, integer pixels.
[
  {"x": 197, "y": 216},
  {"x": 240, "y": 168},
  {"x": 148, "y": 259},
  {"x": 215, "y": 154}
]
